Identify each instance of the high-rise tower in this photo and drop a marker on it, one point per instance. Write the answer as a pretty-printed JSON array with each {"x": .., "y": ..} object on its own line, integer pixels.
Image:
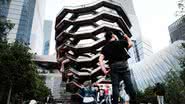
[
  {"x": 177, "y": 29},
  {"x": 47, "y": 36},
  {"x": 27, "y": 15}
]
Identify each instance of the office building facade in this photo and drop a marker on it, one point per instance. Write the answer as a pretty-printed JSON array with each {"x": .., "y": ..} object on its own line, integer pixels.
[
  {"x": 27, "y": 15},
  {"x": 37, "y": 33},
  {"x": 47, "y": 36},
  {"x": 177, "y": 29},
  {"x": 20, "y": 12}
]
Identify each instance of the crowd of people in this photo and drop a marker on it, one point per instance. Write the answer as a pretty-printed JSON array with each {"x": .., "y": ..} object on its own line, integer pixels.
[{"x": 97, "y": 94}]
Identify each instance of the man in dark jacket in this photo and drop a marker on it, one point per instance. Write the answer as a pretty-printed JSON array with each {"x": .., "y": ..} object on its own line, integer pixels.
[
  {"x": 115, "y": 51},
  {"x": 159, "y": 91}
]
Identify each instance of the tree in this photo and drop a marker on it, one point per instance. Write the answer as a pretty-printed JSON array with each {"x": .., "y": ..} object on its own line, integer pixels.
[
  {"x": 182, "y": 63},
  {"x": 181, "y": 8},
  {"x": 5, "y": 27},
  {"x": 149, "y": 91},
  {"x": 175, "y": 89},
  {"x": 147, "y": 96},
  {"x": 18, "y": 72},
  {"x": 19, "y": 78},
  {"x": 175, "y": 84}
]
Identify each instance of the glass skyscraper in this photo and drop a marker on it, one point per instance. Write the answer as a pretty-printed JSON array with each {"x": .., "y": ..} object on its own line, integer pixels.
[
  {"x": 177, "y": 29},
  {"x": 20, "y": 12},
  {"x": 47, "y": 36},
  {"x": 27, "y": 15},
  {"x": 37, "y": 34}
]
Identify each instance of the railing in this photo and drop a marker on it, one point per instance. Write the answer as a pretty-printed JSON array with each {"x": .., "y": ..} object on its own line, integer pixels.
[
  {"x": 100, "y": 12},
  {"x": 88, "y": 5},
  {"x": 87, "y": 18}
]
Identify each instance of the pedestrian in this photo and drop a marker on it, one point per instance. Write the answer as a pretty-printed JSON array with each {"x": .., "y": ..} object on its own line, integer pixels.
[
  {"x": 88, "y": 93},
  {"x": 159, "y": 91},
  {"x": 124, "y": 96},
  {"x": 115, "y": 51},
  {"x": 107, "y": 95},
  {"x": 102, "y": 97}
]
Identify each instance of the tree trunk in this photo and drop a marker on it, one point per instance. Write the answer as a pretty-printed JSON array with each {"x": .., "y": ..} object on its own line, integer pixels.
[
  {"x": 2, "y": 92},
  {"x": 9, "y": 94}
]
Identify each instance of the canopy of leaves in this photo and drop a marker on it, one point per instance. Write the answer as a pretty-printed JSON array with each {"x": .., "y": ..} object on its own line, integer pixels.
[
  {"x": 182, "y": 73},
  {"x": 175, "y": 89},
  {"x": 5, "y": 27},
  {"x": 17, "y": 70}
]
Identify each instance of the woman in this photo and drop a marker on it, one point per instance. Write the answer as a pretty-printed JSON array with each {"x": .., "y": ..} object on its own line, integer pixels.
[
  {"x": 88, "y": 93},
  {"x": 124, "y": 96}
]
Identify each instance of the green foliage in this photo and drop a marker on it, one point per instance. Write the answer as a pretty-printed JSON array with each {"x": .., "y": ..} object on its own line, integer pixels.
[
  {"x": 175, "y": 89},
  {"x": 149, "y": 91},
  {"x": 18, "y": 71},
  {"x": 5, "y": 27},
  {"x": 147, "y": 96},
  {"x": 182, "y": 73},
  {"x": 140, "y": 96},
  {"x": 175, "y": 84}
]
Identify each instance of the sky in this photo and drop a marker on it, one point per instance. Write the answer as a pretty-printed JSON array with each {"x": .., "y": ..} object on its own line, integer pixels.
[{"x": 154, "y": 17}]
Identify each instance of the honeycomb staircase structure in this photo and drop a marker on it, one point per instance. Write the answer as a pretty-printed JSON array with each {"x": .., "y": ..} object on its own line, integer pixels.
[{"x": 79, "y": 35}]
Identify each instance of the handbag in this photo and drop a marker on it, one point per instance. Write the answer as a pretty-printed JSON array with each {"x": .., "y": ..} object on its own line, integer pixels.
[{"x": 88, "y": 99}]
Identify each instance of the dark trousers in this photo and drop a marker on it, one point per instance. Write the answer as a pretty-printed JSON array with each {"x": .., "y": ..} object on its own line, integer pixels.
[{"x": 119, "y": 72}]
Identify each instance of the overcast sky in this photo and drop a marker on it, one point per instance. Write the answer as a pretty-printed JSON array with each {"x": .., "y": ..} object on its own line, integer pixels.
[{"x": 154, "y": 18}]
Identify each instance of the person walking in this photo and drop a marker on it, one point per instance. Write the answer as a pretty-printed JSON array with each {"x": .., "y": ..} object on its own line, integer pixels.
[
  {"x": 115, "y": 51},
  {"x": 159, "y": 91}
]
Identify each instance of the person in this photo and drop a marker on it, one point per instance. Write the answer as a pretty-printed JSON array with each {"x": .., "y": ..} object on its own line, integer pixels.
[
  {"x": 63, "y": 59},
  {"x": 107, "y": 95},
  {"x": 115, "y": 51},
  {"x": 124, "y": 96},
  {"x": 102, "y": 97},
  {"x": 97, "y": 92},
  {"x": 62, "y": 65},
  {"x": 88, "y": 93},
  {"x": 159, "y": 90}
]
